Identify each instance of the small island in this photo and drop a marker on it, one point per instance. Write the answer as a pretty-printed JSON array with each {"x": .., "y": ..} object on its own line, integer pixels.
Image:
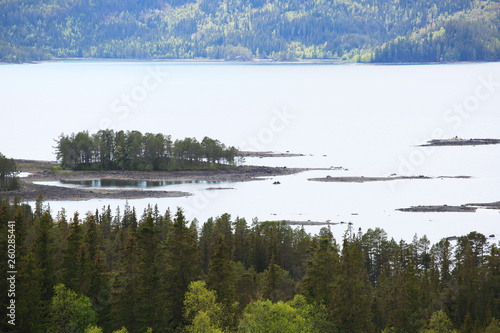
[
  {"x": 362, "y": 179},
  {"x": 439, "y": 209},
  {"x": 466, "y": 208},
  {"x": 456, "y": 141}
]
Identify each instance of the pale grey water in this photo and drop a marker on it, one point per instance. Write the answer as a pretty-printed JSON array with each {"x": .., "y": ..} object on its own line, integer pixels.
[{"x": 367, "y": 119}]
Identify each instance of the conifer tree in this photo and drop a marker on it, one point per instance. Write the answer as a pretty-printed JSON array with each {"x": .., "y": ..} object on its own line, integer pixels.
[
  {"x": 43, "y": 251},
  {"x": 221, "y": 276},
  {"x": 207, "y": 243},
  {"x": 31, "y": 310},
  {"x": 319, "y": 282},
  {"x": 182, "y": 265},
  {"x": 150, "y": 302},
  {"x": 353, "y": 291},
  {"x": 126, "y": 293},
  {"x": 70, "y": 271},
  {"x": 273, "y": 282},
  {"x": 241, "y": 242}
]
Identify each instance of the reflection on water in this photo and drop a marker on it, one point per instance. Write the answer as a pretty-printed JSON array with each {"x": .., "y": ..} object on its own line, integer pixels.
[{"x": 133, "y": 183}]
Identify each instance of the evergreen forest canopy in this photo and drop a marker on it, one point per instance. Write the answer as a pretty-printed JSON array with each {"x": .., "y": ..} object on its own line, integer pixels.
[
  {"x": 159, "y": 272},
  {"x": 355, "y": 30},
  {"x": 132, "y": 150}
]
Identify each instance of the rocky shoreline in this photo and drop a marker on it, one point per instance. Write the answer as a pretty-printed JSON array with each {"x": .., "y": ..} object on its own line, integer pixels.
[
  {"x": 50, "y": 171},
  {"x": 267, "y": 154},
  {"x": 467, "y": 208},
  {"x": 461, "y": 142},
  {"x": 310, "y": 223},
  {"x": 443, "y": 208},
  {"x": 363, "y": 179}
]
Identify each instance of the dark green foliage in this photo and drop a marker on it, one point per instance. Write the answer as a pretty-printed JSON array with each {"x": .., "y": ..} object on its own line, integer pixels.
[
  {"x": 458, "y": 40},
  {"x": 151, "y": 301},
  {"x": 369, "y": 284},
  {"x": 353, "y": 294},
  {"x": 221, "y": 279},
  {"x": 182, "y": 265},
  {"x": 43, "y": 253},
  {"x": 126, "y": 290},
  {"x": 70, "y": 269},
  {"x": 8, "y": 174},
  {"x": 319, "y": 282},
  {"x": 107, "y": 150}
]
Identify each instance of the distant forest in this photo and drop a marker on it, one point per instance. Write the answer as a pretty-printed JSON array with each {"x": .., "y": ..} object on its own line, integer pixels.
[
  {"x": 351, "y": 30},
  {"x": 132, "y": 150},
  {"x": 159, "y": 272},
  {"x": 9, "y": 179}
]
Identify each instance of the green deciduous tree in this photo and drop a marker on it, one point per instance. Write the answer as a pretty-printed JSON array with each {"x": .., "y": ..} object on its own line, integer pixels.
[
  {"x": 202, "y": 312},
  {"x": 440, "y": 323},
  {"x": 70, "y": 312}
]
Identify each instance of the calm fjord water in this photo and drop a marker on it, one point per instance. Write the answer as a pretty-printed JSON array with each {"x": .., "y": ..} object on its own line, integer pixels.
[{"x": 367, "y": 119}]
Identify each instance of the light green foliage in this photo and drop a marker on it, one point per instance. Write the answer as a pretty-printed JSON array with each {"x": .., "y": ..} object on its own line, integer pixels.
[
  {"x": 70, "y": 312},
  {"x": 494, "y": 326},
  {"x": 93, "y": 329},
  {"x": 122, "y": 330},
  {"x": 440, "y": 323},
  {"x": 264, "y": 316},
  {"x": 202, "y": 324},
  {"x": 199, "y": 299}
]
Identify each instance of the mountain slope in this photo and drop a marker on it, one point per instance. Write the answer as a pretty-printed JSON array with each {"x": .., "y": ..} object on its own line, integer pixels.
[{"x": 229, "y": 29}]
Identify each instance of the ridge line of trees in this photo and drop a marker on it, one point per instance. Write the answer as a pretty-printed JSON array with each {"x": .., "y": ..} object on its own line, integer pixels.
[
  {"x": 244, "y": 29},
  {"x": 132, "y": 150}
]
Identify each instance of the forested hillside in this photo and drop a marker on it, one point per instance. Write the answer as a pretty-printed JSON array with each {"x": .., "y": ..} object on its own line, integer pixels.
[
  {"x": 356, "y": 30},
  {"x": 118, "y": 272}
]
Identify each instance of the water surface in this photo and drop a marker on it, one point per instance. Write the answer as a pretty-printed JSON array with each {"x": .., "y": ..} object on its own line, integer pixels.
[{"x": 367, "y": 119}]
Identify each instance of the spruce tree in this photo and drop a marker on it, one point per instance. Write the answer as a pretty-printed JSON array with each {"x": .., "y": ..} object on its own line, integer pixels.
[
  {"x": 221, "y": 276},
  {"x": 70, "y": 271},
  {"x": 182, "y": 265},
  {"x": 319, "y": 282},
  {"x": 126, "y": 292},
  {"x": 150, "y": 302},
  {"x": 353, "y": 291}
]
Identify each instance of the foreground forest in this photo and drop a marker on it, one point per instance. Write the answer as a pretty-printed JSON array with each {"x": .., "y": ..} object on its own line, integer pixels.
[
  {"x": 157, "y": 272},
  {"x": 354, "y": 30}
]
